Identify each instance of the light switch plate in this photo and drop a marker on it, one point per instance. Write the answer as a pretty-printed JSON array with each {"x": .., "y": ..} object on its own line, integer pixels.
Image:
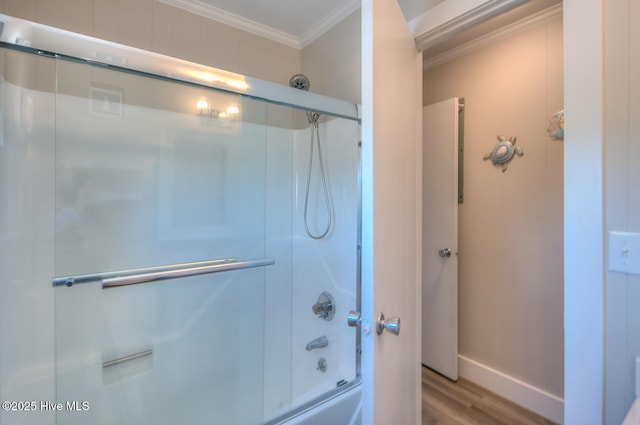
[{"x": 624, "y": 252}]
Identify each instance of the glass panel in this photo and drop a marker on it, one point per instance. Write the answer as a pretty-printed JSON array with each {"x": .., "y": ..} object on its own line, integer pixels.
[
  {"x": 106, "y": 170},
  {"x": 148, "y": 174},
  {"x": 26, "y": 234}
]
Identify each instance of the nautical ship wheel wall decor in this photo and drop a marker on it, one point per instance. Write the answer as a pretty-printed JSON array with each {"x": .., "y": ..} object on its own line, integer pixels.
[{"x": 504, "y": 152}]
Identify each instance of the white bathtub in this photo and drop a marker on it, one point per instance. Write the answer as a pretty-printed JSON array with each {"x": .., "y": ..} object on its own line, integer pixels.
[{"x": 343, "y": 409}]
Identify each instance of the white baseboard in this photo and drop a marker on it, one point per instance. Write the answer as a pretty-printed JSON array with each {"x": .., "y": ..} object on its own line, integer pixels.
[{"x": 527, "y": 396}]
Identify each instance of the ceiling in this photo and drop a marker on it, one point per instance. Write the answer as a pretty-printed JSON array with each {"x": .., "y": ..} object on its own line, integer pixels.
[
  {"x": 497, "y": 23},
  {"x": 294, "y": 18},
  {"x": 297, "y": 23},
  {"x": 294, "y": 23}
]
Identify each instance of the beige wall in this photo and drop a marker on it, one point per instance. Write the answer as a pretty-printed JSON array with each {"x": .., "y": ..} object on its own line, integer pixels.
[
  {"x": 332, "y": 62},
  {"x": 622, "y": 198},
  {"x": 158, "y": 27},
  {"x": 511, "y": 224}
]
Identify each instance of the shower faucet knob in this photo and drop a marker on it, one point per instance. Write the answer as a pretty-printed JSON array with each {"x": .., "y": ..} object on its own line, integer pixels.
[{"x": 325, "y": 307}]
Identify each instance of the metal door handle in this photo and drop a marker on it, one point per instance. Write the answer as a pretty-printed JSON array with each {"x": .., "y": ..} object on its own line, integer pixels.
[
  {"x": 444, "y": 252},
  {"x": 391, "y": 324}
]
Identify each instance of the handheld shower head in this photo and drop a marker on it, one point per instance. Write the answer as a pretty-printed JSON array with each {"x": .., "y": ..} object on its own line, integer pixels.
[{"x": 300, "y": 82}]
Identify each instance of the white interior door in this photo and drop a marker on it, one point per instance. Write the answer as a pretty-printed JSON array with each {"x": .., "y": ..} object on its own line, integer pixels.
[
  {"x": 440, "y": 237},
  {"x": 391, "y": 226}
]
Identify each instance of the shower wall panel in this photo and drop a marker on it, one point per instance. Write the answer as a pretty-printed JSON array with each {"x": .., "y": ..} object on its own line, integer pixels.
[{"x": 327, "y": 264}]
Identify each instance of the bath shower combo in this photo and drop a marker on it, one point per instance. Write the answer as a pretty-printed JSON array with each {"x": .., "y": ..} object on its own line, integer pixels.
[{"x": 156, "y": 271}]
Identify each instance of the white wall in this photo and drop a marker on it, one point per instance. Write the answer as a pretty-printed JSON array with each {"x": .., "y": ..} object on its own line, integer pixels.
[
  {"x": 622, "y": 199},
  {"x": 510, "y": 224},
  {"x": 584, "y": 302}
]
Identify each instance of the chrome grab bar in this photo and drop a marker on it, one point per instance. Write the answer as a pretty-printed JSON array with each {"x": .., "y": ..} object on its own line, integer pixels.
[
  {"x": 72, "y": 280},
  {"x": 184, "y": 272},
  {"x": 171, "y": 271}
]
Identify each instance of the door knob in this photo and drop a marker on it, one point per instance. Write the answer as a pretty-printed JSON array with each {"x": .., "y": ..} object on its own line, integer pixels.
[
  {"x": 444, "y": 252},
  {"x": 391, "y": 324}
]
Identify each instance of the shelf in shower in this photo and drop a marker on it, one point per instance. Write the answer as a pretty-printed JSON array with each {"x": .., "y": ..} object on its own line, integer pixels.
[{"x": 166, "y": 272}]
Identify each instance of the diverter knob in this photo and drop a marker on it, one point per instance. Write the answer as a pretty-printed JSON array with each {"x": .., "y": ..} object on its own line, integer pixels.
[{"x": 354, "y": 318}]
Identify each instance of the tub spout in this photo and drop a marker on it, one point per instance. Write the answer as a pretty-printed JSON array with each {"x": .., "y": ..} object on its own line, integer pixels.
[{"x": 320, "y": 342}]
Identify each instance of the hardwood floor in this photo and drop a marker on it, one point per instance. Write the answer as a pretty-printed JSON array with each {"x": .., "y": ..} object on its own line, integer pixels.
[{"x": 464, "y": 403}]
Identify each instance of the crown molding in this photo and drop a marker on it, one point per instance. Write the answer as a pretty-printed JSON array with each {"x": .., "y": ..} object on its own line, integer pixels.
[
  {"x": 236, "y": 21},
  {"x": 329, "y": 21},
  {"x": 261, "y": 30},
  {"x": 450, "y": 18},
  {"x": 521, "y": 25}
]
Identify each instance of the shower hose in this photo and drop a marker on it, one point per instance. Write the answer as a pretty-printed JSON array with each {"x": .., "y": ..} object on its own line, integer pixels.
[{"x": 313, "y": 117}]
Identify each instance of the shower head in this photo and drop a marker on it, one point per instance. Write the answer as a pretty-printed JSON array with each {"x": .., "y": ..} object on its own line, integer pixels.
[{"x": 300, "y": 82}]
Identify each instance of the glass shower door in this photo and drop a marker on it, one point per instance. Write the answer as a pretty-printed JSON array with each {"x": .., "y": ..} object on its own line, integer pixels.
[
  {"x": 152, "y": 173},
  {"x": 175, "y": 222}
]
